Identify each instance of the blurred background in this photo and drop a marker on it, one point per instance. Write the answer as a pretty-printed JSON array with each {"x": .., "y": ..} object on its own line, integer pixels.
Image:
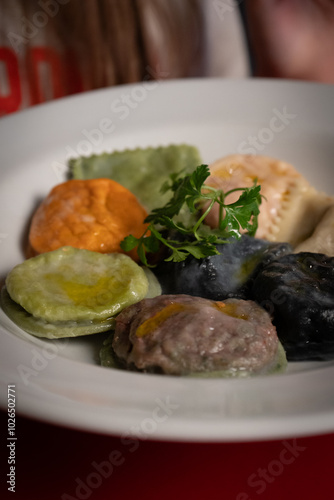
[{"x": 53, "y": 48}]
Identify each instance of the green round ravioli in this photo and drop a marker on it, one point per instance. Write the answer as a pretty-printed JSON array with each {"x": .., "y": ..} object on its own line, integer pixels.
[
  {"x": 50, "y": 330},
  {"x": 71, "y": 284}
]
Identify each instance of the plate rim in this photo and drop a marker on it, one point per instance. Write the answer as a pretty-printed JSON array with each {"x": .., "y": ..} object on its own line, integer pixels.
[{"x": 171, "y": 432}]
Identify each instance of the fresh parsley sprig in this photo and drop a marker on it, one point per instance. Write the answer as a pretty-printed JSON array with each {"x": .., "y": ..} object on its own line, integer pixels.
[{"x": 196, "y": 238}]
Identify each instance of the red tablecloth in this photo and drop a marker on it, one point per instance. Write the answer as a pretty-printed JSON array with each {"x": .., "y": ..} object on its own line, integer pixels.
[{"x": 58, "y": 463}]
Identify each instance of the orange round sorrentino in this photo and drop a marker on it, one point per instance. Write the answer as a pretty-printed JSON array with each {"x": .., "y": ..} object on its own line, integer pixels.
[{"x": 94, "y": 214}]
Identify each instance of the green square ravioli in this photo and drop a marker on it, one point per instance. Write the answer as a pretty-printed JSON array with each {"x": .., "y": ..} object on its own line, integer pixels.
[{"x": 142, "y": 170}]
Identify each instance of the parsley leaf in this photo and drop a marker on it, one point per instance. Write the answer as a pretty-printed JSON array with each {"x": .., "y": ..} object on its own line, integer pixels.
[{"x": 196, "y": 238}]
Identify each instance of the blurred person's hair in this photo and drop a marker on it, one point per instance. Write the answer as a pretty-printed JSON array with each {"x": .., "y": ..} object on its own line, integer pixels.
[{"x": 124, "y": 41}]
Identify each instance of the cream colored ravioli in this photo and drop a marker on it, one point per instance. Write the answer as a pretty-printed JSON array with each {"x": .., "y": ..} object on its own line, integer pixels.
[
  {"x": 322, "y": 239},
  {"x": 291, "y": 207}
]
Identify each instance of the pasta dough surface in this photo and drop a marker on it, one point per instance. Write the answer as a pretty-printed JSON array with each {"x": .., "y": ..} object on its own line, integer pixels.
[{"x": 291, "y": 207}]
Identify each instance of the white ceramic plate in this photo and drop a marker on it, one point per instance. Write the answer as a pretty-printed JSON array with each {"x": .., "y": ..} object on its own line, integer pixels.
[{"x": 60, "y": 381}]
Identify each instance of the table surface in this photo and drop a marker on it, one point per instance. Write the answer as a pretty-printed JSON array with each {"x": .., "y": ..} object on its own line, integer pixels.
[{"x": 58, "y": 463}]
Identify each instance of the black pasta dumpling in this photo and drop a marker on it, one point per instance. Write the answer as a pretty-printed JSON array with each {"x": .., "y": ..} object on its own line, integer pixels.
[
  {"x": 227, "y": 275},
  {"x": 298, "y": 290}
]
